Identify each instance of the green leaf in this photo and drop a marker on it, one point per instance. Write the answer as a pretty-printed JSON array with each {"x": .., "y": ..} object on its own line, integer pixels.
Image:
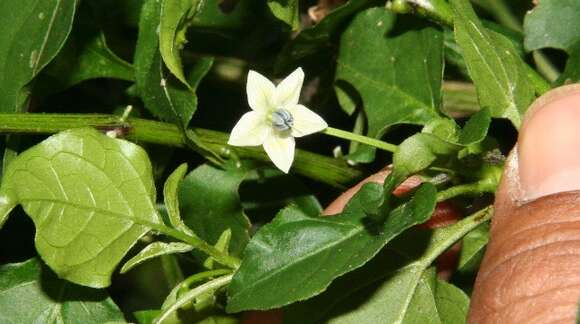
[
  {"x": 210, "y": 204},
  {"x": 388, "y": 288},
  {"x": 317, "y": 40},
  {"x": 91, "y": 197},
  {"x": 176, "y": 16},
  {"x": 495, "y": 67},
  {"x": 423, "y": 306},
  {"x": 287, "y": 11},
  {"x": 30, "y": 293},
  {"x": 154, "y": 250},
  {"x": 171, "y": 199},
  {"x": 476, "y": 128},
  {"x": 89, "y": 58},
  {"x": 472, "y": 248},
  {"x": 396, "y": 68},
  {"x": 418, "y": 152},
  {"x": 222, "y": 245},
  {"x": 436, "y": 301},
  {"x": 296, "y": 257},
  {"x": 444, "y": 128},
  {"x": 571, "y": 72},
  {"x": 452, "y": 303},
  {"x": 146, "y": 316},
  {"x": 33, "y": 32},
  {"x": 85, "y": 56},
  {"x": 163, "y": 95},
  {"x": 554, "y": 24}
]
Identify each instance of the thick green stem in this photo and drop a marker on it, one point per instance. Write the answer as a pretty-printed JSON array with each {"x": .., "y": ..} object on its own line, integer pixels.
[
  {"x": 328, "y": 170},
  {"x": 360, "y": 139}
]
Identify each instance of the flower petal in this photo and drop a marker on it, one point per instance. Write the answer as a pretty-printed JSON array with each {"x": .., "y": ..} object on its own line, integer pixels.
[
  {"x": 288, "y": 91},
  {"x": 251, "y": 130},
  {"x": 280, "y": 149},
  {"x": 306, "y": 121},
  {"x": 260, "y": 92}
]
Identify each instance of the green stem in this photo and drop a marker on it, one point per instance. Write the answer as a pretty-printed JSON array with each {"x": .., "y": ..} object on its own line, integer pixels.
[
  {"x": 466, "y": 189},
  {"x": 328, "y": 170},
  {"x": 193, "y": 294},
  {"x": 202, "y": 276},
  {"x": 545, "y": 66},
  {"x": 196, "y": 243},
  {"x": 171, "y": 270},
  {"x": 459, "y": 99},
  {"x": 360, "y": 139}
]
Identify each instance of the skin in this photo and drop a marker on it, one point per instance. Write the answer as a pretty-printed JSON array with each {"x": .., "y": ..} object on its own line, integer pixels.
[
  {"x": 529, "y": 273},
  {"x": 530, "y": 270}
]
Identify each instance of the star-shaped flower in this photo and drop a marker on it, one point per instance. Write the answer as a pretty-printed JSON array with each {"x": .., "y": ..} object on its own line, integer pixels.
[{"x": 276, "y": 118}]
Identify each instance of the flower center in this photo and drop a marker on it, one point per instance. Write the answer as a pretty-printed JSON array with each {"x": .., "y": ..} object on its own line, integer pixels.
[{"x": 282, "y": 120}]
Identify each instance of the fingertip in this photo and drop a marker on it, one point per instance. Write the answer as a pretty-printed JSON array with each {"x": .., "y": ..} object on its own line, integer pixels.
[{"x": 549, "y": 144}]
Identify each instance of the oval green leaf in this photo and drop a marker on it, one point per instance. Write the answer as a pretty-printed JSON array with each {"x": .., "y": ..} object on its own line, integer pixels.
[{"x": 90, "y": 197}]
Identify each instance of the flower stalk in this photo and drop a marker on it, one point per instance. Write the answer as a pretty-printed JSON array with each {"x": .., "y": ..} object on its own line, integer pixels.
[{"x": 360, "y": 139}]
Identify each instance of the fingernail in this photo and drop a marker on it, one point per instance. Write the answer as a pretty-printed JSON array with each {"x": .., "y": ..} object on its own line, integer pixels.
[{"x": 549, "y": 144}]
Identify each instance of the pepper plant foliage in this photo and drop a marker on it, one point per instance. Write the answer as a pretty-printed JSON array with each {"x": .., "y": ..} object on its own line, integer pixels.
[{"x": 121, "y": 200}]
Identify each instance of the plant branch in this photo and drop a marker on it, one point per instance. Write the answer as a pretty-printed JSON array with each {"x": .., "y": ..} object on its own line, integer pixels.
[{"x": 328, "y": 170}]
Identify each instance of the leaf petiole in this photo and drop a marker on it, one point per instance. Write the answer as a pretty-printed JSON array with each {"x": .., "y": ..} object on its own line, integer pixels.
[{"x": 196, "y": 243}]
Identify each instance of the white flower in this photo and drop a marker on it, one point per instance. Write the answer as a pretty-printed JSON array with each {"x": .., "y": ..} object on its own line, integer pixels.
[{"x": 276, "y": 118}]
